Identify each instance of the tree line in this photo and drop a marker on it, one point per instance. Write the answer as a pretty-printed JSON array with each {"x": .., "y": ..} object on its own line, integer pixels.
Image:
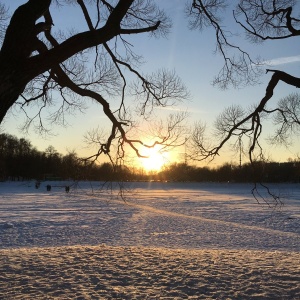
[
  {"x": 249, "y": 172},
  {"x": 19, "y": 160}
]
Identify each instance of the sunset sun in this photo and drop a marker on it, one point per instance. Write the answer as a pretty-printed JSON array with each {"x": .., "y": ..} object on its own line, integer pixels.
[{"x": 154, "y": 161}]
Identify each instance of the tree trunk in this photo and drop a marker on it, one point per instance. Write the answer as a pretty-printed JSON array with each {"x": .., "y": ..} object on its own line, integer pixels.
[
  {"x": 19, "y": 42},
  {"x": 12, "y": 84}
]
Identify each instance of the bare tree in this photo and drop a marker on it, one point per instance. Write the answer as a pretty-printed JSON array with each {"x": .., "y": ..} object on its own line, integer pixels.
[
  {"x": 60, "y": 62},
  {"x": 37, "y": 64},
  {"x": 261, "y": 21},
  {"x": 3, "y": 20}
]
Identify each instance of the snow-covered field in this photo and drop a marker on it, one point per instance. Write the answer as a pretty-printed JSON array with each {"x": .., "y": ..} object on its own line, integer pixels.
[{"x": 165, "y": 241}]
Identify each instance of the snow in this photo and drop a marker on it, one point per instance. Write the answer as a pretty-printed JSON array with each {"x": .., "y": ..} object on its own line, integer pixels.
[
  {"x": 205, "y": 232},
  {"x": 185, "y": 216}
]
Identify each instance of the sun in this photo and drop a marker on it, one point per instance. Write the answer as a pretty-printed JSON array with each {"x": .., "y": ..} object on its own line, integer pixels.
[{"x": 154, "y": 161}]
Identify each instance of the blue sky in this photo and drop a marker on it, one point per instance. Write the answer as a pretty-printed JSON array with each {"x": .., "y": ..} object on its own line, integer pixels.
[{"x": 190, "y": 54}]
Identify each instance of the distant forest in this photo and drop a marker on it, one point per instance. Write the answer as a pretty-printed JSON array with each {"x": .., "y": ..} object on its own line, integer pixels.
[{"x": 19, "y": 160}]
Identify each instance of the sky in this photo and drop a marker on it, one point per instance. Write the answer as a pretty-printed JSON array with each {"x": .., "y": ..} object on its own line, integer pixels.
[{"x": 190, "y": 54}]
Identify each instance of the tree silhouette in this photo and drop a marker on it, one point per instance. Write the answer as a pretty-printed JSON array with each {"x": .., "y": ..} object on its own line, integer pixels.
[
  {"x": 261, "y": 21},
  {"x": 38, "y": 64}
]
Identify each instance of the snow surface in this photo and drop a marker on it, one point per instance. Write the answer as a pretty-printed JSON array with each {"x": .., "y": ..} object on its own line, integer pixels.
[
  {"x": 171, "y": 215},
  {"x": 162, "y": 241}
]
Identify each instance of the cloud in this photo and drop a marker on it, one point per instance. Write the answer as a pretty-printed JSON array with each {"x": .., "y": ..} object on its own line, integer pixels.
[
  {"x": 181, "y": 109},
  {"x": 282, "y": 60}
]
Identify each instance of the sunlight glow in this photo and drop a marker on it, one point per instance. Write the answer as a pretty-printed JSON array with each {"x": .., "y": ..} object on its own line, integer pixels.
[{"x": 155, "y": 161}]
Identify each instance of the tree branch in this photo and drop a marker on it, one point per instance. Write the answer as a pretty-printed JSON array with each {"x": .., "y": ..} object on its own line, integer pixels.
[{"x": 40, "y": 63}]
